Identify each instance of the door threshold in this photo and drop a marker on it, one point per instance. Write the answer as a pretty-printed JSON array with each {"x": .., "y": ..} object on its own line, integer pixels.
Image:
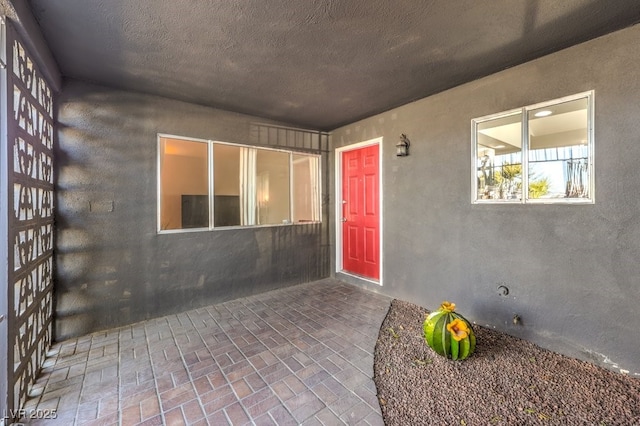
[{"x": 361, "y": 277}]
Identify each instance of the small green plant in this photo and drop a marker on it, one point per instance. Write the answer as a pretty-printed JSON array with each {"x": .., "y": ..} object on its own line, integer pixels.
[{"x": 449, "y": 333}]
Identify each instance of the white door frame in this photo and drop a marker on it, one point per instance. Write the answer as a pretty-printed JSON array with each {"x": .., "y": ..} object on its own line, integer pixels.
[{"x": 338, "y": 206}]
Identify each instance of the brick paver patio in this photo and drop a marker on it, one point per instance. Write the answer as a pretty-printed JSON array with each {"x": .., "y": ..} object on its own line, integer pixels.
[{"x": 299, "y": 355}]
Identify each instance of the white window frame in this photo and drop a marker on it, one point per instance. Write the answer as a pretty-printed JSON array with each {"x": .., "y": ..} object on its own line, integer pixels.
[
  {"x": 524, "y": 113},
  {"x": 211, "y": 195}
]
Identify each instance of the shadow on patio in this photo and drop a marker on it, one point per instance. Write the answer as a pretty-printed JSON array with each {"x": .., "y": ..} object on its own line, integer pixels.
[{"x": 299, "y": 355}]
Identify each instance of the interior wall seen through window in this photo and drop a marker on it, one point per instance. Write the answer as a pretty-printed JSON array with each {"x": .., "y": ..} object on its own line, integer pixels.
[{"x": 184, "y": 182}]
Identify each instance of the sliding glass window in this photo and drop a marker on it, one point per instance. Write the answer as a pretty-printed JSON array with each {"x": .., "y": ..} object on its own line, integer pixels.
[
  {"x": 537, "y": 154},
  {"x": 207, "y": 184}
]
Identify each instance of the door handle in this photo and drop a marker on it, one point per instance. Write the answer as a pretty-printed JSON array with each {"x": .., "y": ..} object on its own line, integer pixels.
[
  {"x": 1, "y": 318},
  {"x": 344, "y": 219}
]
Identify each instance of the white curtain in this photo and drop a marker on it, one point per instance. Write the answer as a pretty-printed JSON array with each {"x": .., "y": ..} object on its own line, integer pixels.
[
  {"x": 248, "y": 158},
  {"x": 263, "y": 198},
  {"x": 314, "y": 180}
]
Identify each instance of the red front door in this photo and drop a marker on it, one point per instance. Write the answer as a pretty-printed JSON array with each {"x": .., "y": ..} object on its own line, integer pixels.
[{"x": 361, "y": 212}]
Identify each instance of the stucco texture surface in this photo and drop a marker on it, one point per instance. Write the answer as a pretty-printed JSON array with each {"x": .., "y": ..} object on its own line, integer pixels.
[
  {"x": 572, "y": 271},
  {"x": 113, "y": 267},
  {"x": 317, "y": 64}
]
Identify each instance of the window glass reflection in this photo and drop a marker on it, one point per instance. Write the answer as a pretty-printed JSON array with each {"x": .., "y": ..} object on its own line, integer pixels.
[
  {"x": 499, "y": 161},
  {"x": 559, "y": 151},
  {"x": 226, "y": 188},
  {"x": 184, "y": 184},
  {"x": 272, "y": 187},
  {"x": 306, "y": 189},
  {"x": 250, "y": 186},
  {"x": 541, "y": 153}
]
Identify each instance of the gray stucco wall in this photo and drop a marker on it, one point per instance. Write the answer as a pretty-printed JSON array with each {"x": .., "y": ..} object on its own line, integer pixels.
[
  {"x": 573, "y": 271},
  {"x": 112, "y": 267}
]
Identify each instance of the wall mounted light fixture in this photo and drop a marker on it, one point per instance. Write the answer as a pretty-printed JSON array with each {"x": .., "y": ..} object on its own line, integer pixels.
[{"x": 402, "y": 147}]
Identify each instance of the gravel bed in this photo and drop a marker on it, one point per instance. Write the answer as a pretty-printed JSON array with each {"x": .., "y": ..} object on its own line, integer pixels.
[{"x": 507, "y": 381}]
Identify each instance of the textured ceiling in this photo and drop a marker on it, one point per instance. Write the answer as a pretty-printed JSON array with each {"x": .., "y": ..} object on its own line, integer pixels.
[{"x": 313, "y": 63}]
